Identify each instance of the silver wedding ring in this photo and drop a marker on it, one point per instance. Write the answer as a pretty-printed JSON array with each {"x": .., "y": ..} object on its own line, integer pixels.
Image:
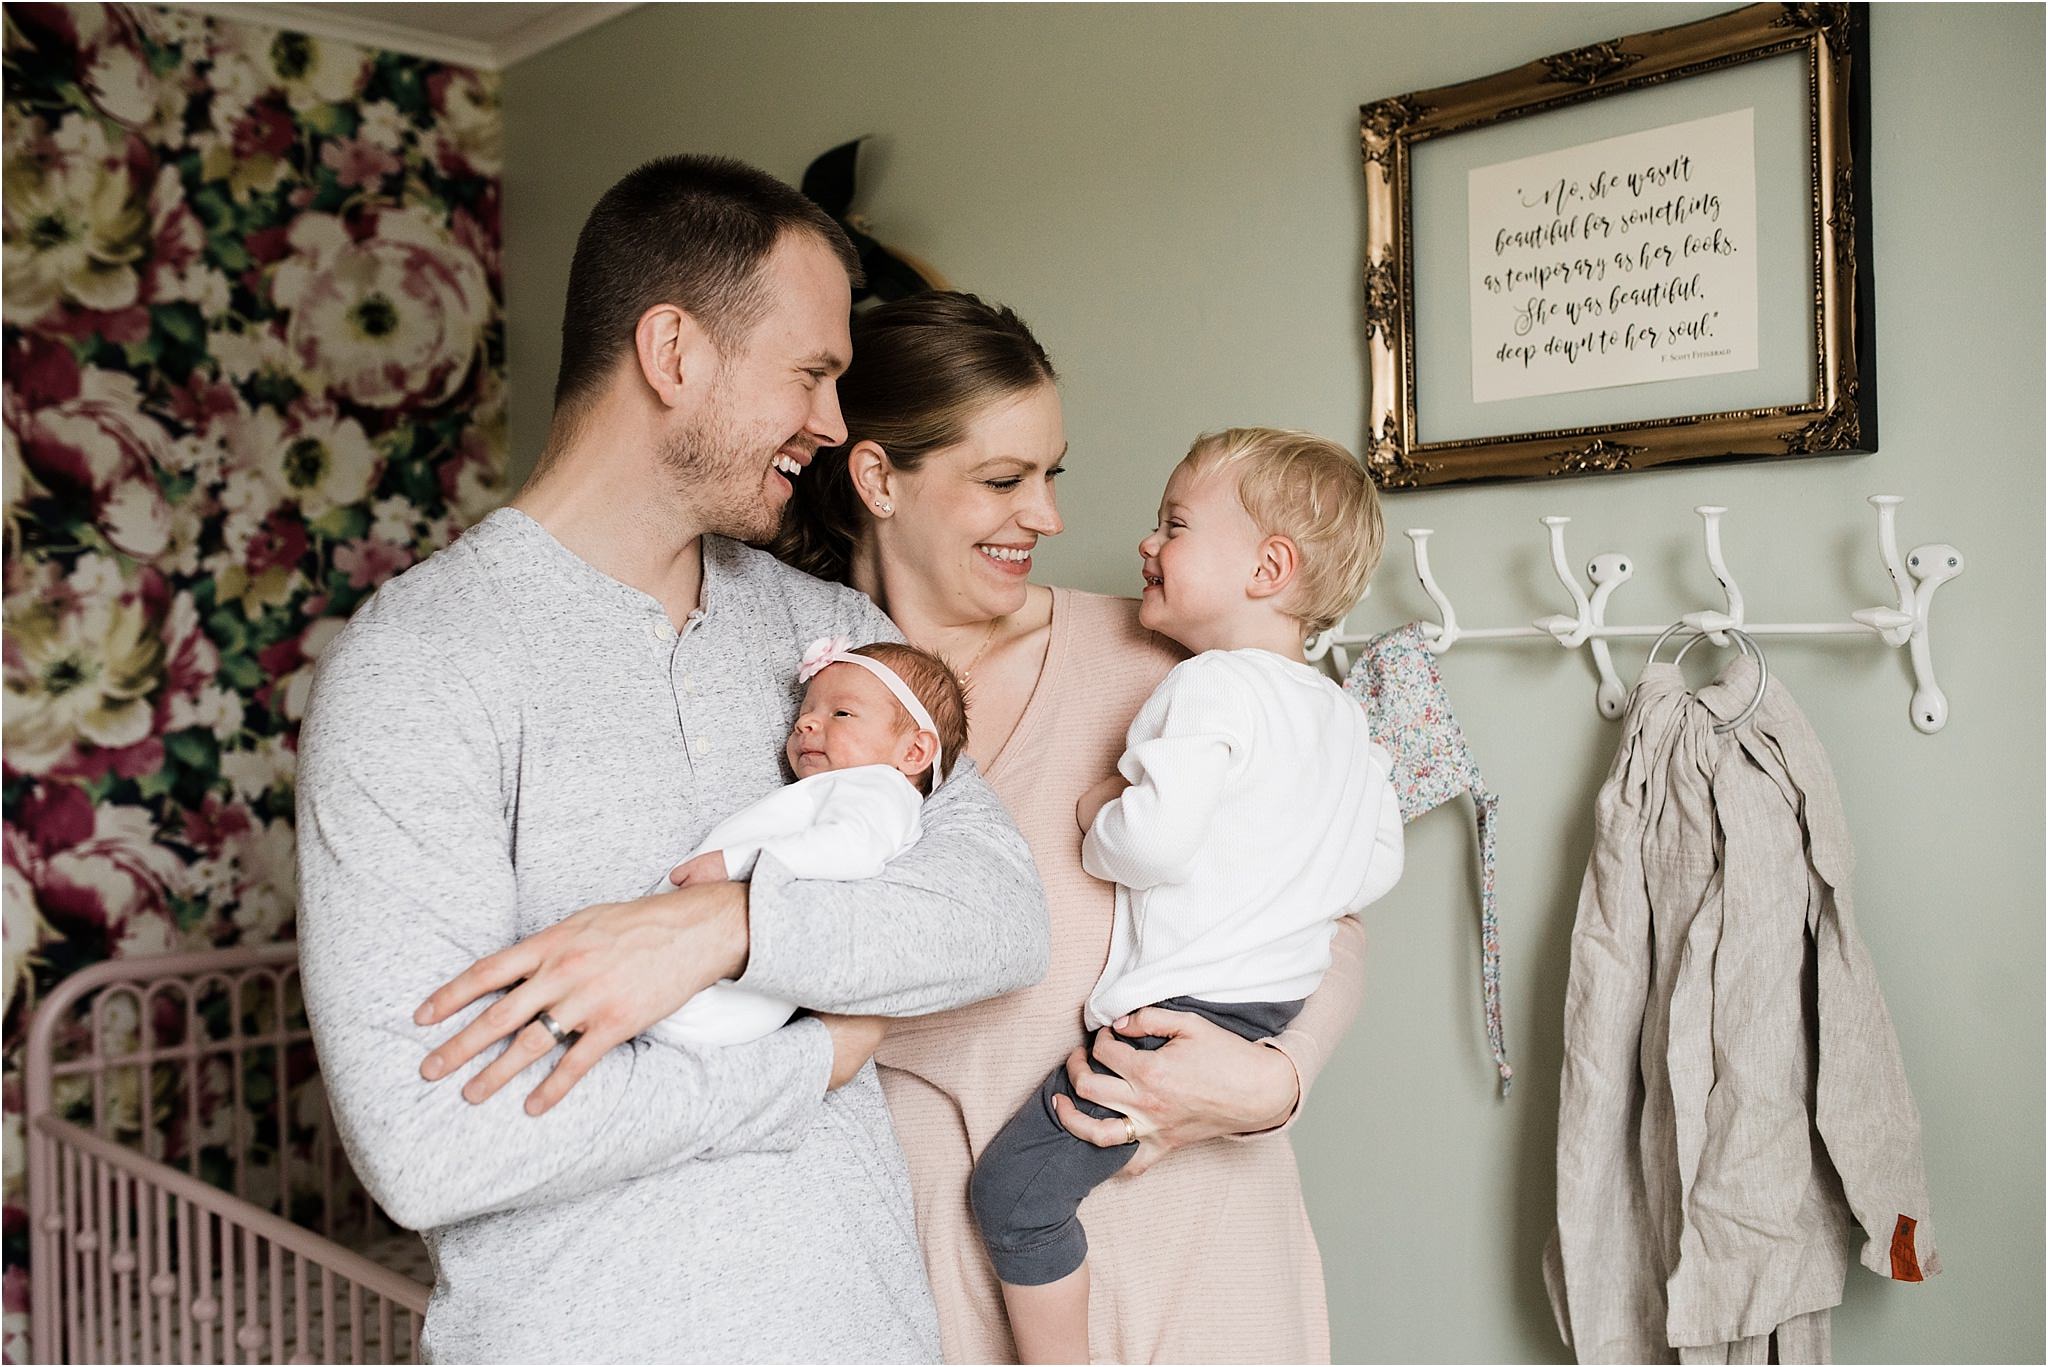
[{"x": 554, "y": 1027}]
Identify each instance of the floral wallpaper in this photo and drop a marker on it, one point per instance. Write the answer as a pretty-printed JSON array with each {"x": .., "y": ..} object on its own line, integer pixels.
[{"x": 254, "y": 365}]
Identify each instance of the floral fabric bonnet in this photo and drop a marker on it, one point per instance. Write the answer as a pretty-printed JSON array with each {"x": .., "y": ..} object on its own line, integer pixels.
[{"x": 1409, "y": 713}]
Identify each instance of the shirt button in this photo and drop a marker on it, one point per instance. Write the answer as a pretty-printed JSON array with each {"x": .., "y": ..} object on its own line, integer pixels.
[
  {"x": 657, "y": 630},
  {"x": 703, "y": 745}
]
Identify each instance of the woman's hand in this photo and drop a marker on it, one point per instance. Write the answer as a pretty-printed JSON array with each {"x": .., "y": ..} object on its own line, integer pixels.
[
  {"x": 606, "y": 973},
  {"x": 854, "y": 1041},
  {"x": 1203, "y": 1083},
  {"x": 1098, "y": 797}
]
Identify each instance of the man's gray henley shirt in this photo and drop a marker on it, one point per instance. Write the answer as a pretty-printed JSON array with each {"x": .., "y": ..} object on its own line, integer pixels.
[{"x": 504, "y": 735}]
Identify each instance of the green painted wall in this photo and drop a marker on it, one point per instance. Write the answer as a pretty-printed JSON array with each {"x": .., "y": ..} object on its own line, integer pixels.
[{"x": 1171, "y": 194}]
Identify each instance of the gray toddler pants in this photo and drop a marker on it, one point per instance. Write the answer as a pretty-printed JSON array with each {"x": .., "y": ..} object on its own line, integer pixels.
[{"x": 1031, "y": 1180}]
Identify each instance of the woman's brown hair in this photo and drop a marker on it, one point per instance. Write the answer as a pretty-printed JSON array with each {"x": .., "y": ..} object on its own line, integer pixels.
[{"x": 923, "y": 367}]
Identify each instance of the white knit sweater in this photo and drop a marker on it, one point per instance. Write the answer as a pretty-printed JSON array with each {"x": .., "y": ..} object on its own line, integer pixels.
[{"x": 1259, "y": 812}]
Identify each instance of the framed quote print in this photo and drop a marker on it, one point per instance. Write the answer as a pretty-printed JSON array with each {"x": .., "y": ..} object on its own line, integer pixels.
[{"x": 1637, "y": 253}]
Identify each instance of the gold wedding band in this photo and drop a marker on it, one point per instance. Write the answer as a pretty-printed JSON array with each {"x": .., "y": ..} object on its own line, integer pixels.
[{"x": 1130, "y": 1130}]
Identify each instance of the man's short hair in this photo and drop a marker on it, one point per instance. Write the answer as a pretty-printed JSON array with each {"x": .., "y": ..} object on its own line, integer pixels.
[
  {"x": 1312, "y": 491},
  {"x": 937, "y": 687},
  {"x": 685, "y": 230}
]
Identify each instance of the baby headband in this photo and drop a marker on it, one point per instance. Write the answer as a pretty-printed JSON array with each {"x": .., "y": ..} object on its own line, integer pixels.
[{"x": 837, "y": 650}]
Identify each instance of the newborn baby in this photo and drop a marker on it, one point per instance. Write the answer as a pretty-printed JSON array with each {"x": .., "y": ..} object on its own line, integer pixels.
[{"x": 871, "y": 740}]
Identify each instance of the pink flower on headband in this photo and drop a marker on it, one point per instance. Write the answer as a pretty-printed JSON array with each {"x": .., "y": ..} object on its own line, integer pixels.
[{"x": 818, "y": 654}]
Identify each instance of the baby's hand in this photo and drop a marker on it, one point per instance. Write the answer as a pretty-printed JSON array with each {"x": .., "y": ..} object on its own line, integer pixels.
[
  {"x": 708, "y": 867},
  {"x": 1098, "y": 797}
]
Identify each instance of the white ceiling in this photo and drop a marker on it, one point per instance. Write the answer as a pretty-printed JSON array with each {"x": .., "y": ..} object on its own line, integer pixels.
[{"x": 487, "y": 35}]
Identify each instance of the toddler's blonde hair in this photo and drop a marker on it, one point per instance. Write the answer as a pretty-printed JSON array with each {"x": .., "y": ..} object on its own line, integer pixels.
[{"x": 1312, "y": 491}]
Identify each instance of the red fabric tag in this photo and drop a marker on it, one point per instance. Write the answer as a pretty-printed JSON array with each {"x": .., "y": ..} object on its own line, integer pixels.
[{"x": 1905, "y": 1261}]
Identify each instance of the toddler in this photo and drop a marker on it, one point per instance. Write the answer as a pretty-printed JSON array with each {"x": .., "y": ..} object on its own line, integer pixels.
[
  {"x": 873, "y": 736},
  {"x": 1249, "y": 811}
]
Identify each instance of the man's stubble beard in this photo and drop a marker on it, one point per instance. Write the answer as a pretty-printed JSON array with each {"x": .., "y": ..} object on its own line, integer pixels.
[{"x": 722, "y": 476}]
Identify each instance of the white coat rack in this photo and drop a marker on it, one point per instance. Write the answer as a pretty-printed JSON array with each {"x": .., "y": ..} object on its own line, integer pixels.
[{"x": 1914, "y": 578}]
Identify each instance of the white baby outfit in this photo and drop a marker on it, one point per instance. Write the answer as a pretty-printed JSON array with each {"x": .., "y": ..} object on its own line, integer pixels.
[
  {"x": 1239, "y": 842},
  {"x": 843, "y": 825}
]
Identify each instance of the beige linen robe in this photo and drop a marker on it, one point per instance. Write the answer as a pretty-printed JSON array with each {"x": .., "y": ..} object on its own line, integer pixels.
[
  {"x": 1732, "y": 1096},
  {"x": 1208, "y": 1257}
]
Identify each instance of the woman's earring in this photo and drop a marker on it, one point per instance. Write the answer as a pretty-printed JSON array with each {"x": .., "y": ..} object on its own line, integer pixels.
[{"x": 885, "y": 508}]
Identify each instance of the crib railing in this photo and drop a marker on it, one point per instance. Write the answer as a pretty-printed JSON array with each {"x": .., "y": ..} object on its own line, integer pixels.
[
  {"x": 189, "y": 1199},
  {"x": 154, "y": 1265}
]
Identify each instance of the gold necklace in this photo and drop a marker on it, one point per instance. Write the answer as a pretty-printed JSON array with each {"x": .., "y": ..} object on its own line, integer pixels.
[{"x": 967, "y": 674}]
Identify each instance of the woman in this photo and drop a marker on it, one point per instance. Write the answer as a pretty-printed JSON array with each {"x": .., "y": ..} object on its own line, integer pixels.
[{"x": 932, "y": 508}]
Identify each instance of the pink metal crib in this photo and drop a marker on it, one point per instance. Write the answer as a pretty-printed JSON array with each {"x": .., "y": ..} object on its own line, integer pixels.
[{"x": 190, "y": 1202}]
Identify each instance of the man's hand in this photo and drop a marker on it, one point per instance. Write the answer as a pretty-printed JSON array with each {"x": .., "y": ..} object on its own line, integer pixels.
[
  {"x": 708, "y": 867},
  {"x": 606, "y": 973},
  {"x": 854, "y": 1041},
  {"x": 1098, "y": 797}
]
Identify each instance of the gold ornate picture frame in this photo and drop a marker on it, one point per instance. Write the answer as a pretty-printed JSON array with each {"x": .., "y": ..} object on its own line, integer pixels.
[{"x": 1801, "y": 72}]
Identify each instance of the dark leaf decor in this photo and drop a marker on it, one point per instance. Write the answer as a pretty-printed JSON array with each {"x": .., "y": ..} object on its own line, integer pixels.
[{"x": 891, "y": 273}]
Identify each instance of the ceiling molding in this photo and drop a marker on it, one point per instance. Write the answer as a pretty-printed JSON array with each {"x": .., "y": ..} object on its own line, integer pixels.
[
  {"x": 559, "y": 27},
  {"x": 325, "y": 22},
  {"x": 321, "y": 23}
]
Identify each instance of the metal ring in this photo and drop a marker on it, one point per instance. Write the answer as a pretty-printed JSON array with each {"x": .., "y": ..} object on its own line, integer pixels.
[
  {"x": 554, "y": 1027},
  {"x": 1749, "y": 647},
  {"x": 1740, "y": 636},
  {"x": 1763, "y": 679},
  {"x": 1659, "y": 643},
  {"x": 1131, "y": 1129}
]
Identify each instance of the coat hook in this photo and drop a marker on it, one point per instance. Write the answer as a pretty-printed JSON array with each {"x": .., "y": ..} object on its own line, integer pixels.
[
  {"x": 1569, "y": 631},
  {"x": 1933, "y": 564},
  {"x": 1446, "y": 634},
  {"x": 1921, "y": 573},
  {"x": 1887, "y": 506},
  {"x": 1608, "y": 573},
  {"x": 1323, "y": 646},
  {"x": 1716, "y": 623}
]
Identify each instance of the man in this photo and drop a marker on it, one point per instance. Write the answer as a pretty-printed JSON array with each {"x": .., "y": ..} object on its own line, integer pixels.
[{"x": 516, "y": 739}]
